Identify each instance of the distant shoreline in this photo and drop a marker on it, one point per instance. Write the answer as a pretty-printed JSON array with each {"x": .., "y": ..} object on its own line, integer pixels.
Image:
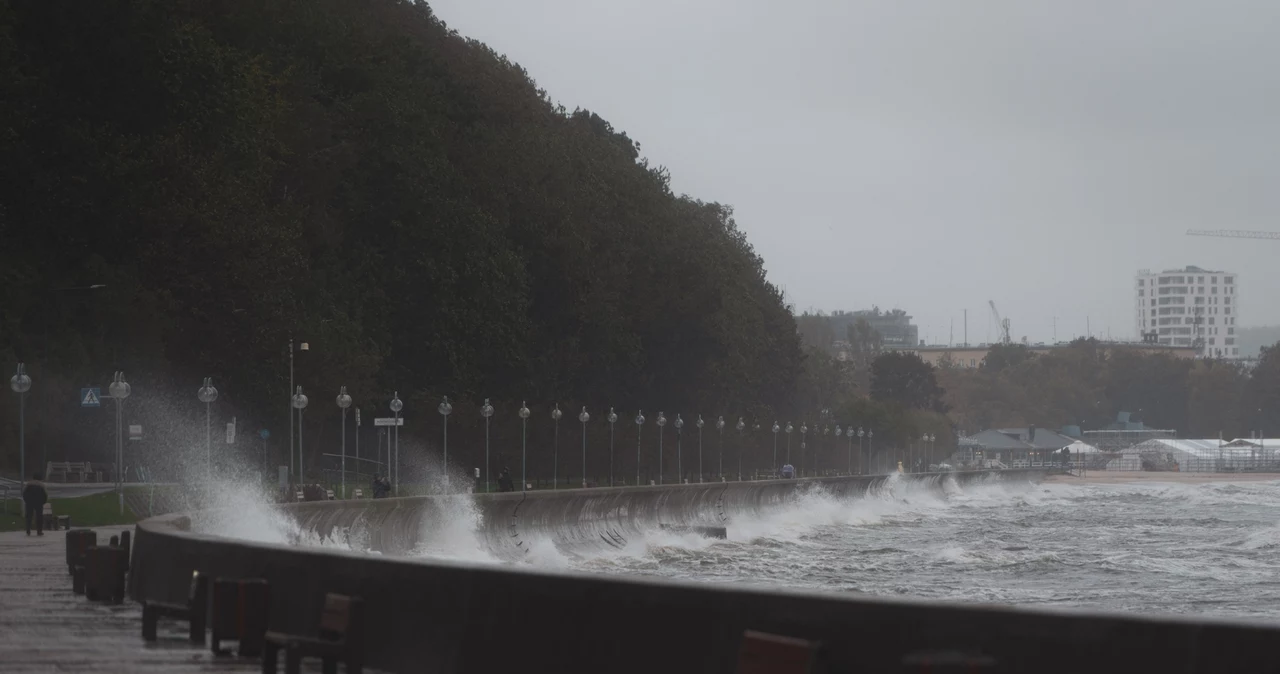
[{"x": 1119, "y": 477}]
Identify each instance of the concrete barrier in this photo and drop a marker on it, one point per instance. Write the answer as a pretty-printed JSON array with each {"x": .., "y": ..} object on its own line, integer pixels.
[
  {"x": 447, "y": 617},
  {"x": 584, "y": 518}
]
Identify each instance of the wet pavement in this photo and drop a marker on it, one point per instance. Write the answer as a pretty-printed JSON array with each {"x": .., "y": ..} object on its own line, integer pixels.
[{"x": 44, "y": 627}]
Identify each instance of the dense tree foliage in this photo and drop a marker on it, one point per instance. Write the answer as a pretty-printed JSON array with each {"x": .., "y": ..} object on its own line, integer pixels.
[
  {"x": 1088, "y": 383},
  {"x": 361, "y": 177}
]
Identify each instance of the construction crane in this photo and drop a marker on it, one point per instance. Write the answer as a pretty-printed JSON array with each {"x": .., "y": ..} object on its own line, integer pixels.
[
  {"x": 1002, "y": 323},
  {"x": 1233, "y": 233}
]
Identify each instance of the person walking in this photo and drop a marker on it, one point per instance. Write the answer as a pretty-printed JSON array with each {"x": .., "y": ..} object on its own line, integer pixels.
[{"x": 34, "y": 497}]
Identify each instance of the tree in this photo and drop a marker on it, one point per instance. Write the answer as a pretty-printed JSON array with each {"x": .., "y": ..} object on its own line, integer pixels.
[{"x": 905, "y": 379}]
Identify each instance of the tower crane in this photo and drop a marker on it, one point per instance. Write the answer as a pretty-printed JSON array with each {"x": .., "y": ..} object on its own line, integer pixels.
[
  {"x": 1233, "y": 233},
  {"x": 1003, "y": 323}
]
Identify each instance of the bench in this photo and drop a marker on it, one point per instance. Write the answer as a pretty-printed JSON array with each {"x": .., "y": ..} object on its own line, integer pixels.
[
  {"x": 341, "y": 638},
  {"x": 240, "y": 608},
  {"x": 46, "y": 518},
  {"x": 359, "y": 493},
  {"x": 763, "y": 653},
  {"x": 194, "y": 611},
  {"x": 65, "y": 469}
]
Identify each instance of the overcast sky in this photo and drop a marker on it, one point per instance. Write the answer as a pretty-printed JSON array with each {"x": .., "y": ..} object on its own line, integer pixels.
[{"x": 932, "y": 155}]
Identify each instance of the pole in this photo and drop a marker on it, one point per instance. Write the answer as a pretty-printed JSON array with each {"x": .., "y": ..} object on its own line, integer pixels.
[
  {"x": 524, "y": 439},
  {"x": 395, "y": 480},
  {"x": 486, "y": 455},
  {"x": 660, "y": 455},
  {"x": 446, "y": 451},
  {"x": 555, "y": 459},
  {"x": 208, "y": 443},
  {"x": 775, "y": 450},
  {"x": 611, "y": 453},
  {"x": 344, "y": 453},
  {"x": 639, "y": 429},
  {"x": 357, "y": 442},
  {"x": 301, "y": 472},
  {"x": 119, "y": 458},
  {"x": 699, "y": 454},
  {"x": 22, "y": 436},
  {"x": 290, "y": 424},
  {"x": 584, "y": 455}
]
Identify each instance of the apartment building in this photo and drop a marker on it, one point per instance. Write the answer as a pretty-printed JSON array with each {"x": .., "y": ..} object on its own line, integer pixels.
[{"x": 1190, "y": 307}]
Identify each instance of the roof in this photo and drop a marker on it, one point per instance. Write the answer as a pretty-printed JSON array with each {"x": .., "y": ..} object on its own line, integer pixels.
[
  {"x": 1019, "y": 438},
  {"x": 1208, "y": 448}
]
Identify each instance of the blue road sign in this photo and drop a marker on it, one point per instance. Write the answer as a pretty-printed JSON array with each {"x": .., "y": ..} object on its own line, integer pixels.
[{"x": 91, "y": 397}]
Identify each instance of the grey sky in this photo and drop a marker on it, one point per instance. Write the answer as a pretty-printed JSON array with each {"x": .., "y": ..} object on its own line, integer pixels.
[{"x": 932, "y": 155}]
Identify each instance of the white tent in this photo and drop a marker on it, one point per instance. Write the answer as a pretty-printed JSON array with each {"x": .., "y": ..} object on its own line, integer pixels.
[{"x": 1081, "y": 447}]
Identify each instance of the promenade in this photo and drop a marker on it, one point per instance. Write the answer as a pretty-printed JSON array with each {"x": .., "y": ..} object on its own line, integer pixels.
[{"x": 44, "y": 627}]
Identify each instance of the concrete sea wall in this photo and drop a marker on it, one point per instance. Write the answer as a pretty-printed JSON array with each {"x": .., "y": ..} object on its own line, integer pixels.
[{"x": 432, "y": 616}]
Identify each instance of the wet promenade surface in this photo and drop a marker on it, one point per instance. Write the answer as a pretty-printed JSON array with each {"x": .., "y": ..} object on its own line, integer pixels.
[{"x": 44, "y": 627}]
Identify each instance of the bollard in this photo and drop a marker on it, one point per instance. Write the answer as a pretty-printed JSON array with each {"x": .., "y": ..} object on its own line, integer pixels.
[
  {"x": 124, "y": 545},
  {"x": 77, "y": 580},
  {"x": 240, "y": 608},
  {"x": 104, "y": 574},
  {"x": 77, "y": 542}
]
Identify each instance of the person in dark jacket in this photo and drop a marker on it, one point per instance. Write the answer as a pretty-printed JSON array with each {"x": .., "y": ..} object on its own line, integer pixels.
[
  {"x": 34, "y": 497},
  {"x": 504, "y": 480}
]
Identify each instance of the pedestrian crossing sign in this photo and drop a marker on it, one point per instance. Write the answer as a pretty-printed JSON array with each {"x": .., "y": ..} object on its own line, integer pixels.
[{"x": 90, "y": 397}]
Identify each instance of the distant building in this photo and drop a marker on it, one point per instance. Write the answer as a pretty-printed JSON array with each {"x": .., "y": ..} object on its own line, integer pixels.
[
  {"x": 1189, "y": 307},
  {"x": 895, "y": 326},
  {"x": 972, "y": 356}
]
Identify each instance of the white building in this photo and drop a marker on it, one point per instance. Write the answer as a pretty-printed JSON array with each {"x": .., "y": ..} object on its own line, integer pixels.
[{"x": 1188, "y": 307}]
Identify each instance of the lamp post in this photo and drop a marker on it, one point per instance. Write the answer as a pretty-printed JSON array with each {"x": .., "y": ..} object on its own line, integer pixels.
[
  {"x": 817, "y": 462},
  {"x": 776, "y": 428},
  {"x": 584, "y": 418},
  {"x": 20, "y": 383},
  {"x": 860, "y": 434},
  {"x": 207, "y": 395},
  {"x": 301, "y": 347},
  {"x": 720, "y": 431},
  {"x": 300, "y": 403},
  {"x": 662, "y": 422},
  {"x": 486, "y": 411},
  {"x": 838, "y": 435},
  {"x": 639, "y": 427},
  {"x": 755, "y": 433},
  {"x": 555, "y": 455},
  {"x": 788, "y": 430},
  {"x": 613, "y": 419},
  {"x": 119, "y": 390},
  {"x": 679, "y": 444},
  {"x": 804, "y": 434},
  {"x": 870, "y": 434},
  {"x": 445, "y": 409},
  {"x": 396, "y": 405},
  {"x": 741, "y": 425},
  {"x": 344, "y": 401},
  {"x": 524, "y": 445}
]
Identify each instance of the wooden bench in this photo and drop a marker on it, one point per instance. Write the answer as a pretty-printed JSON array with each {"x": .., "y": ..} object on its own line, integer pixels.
[
  {"x": 341, "y": 638},
  {"x": 763, "y": 653},
  {"x": 65, "y": 469},
  {"x": 240, "y": 608},
  {"x": 195, "y": 611}
]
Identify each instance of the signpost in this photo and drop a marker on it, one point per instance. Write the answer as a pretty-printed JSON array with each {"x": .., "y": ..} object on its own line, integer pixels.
[
  {"x": 135, "y": 432},
  {"x": 91, "y": 397},
  {"x": 388, "y": 421},
  {"x": 231, "y": 431}
]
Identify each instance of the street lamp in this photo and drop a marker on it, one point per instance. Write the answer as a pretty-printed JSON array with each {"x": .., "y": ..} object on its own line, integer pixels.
[
  {"x": 613, "y": 419},
  {"x": 119, "y": 390},
  {"x": 344, "y": 401},
  {"x": 870, "y": 434},
  {"x": 524, "y": 445},
  {"x": 300, "y": 403},
  {"x": 486, "y": 411},
  {"x": 555, "y": 455},
  {"x": 301, "y": 347},
  {"x": 699, "y": 423},
  {"x": 720, "y": 429},
  {"x": 662, "y": 422},
  {"x": 804, "y": 433},
  {"x": 788, "y": 430},
  {"x": 639, "y": 427},
  {"x": 860, "y": 435},
  {"x": 207, "y": 395},
  {"x": 584, "y": 418},
  {"x": 679, "y": 458},
  {"x": 838, "y": 431},
  {"x": 20, "y": 383},
  {"x": 445, "y": 409},
  {"x": 776, "y": 428},
  {"x": 741, "y": 425},
  {"x": 396, "y": 405}
]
